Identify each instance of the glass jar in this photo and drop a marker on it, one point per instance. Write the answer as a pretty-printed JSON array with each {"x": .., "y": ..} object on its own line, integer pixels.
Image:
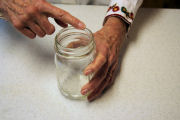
[{"x": 75, "y": 49}]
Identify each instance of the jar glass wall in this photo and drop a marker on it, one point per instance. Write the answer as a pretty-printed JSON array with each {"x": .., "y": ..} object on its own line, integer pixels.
[{"x": 75, "y": 49}]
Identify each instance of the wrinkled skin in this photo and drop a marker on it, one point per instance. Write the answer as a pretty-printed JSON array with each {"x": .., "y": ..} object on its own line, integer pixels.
[
  {"x": 30, "y": 17},
  {"x": 108, "y": 40}
]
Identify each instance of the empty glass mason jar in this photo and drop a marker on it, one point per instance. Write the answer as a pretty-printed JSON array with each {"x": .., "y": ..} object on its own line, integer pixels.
[{"x": 75, "y": 49}]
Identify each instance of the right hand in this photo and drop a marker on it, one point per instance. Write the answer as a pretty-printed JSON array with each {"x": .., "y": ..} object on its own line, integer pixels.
[{"x": 30, "y": 17}]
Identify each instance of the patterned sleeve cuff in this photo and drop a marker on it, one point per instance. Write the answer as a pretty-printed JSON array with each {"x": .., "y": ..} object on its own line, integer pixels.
[{"x": 122, "y": 9}]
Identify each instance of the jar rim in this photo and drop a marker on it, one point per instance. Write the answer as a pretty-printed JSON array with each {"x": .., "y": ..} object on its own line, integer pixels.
[{"x": 70, "y": 51}]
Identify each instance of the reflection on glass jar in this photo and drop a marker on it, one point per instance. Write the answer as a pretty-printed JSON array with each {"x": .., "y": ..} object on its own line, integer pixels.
[{"x": 75, "y": 49}]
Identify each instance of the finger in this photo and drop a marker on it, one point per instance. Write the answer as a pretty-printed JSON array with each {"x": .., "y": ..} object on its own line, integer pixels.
[
  {"x": 96, "y": 80},
  {"x": 62, "y": 15},
  {"x": 114, "y": 74},
  {"x": 62, "y": 24},
  {"x": 36, "y": 29},
  {"x": 29, "y": 33},
  {"x": 96, "y": 64},
  {"x": 97, "y": 92},
  {"x": 104, "y": 84},
  {"x": 45, "y": 25}
]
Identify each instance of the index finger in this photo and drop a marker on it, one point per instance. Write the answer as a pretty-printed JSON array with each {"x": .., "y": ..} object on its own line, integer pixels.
[{"x": 62, "y": 15}]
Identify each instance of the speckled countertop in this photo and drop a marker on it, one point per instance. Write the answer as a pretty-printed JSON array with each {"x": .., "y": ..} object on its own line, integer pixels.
[{"x": 147, "y": 87}]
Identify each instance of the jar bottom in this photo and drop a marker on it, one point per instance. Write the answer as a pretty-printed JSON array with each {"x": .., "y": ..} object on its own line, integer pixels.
[
  {"x": 70, "y": 84},
  {"x": 70, "y": 95}
]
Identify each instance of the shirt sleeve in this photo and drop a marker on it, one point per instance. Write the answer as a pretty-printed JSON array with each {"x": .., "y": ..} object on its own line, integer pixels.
[{"x": 124, "y": 9}]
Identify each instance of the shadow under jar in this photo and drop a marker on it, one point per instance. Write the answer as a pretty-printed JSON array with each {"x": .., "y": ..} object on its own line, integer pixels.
[{"x": 75, "y": 50}]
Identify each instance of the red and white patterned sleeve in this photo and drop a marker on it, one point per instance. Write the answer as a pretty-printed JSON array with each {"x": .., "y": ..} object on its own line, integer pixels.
[{"x": 124, "y": 9}]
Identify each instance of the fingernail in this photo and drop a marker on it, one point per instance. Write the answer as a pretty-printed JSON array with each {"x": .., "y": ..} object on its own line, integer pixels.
[
  {"x": 87, "y": 72},
  {"x": 84, "y": 91},
  {"x": 82, "y": 25}
]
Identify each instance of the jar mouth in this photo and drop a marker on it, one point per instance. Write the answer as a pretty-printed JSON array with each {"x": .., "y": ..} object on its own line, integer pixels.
[{"x": 72, "y": 42}]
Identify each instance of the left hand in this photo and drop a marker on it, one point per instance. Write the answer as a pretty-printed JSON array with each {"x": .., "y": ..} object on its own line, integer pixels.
[
  {"x": 108, "y": 41},
  {"x": 30, "y": 17}
]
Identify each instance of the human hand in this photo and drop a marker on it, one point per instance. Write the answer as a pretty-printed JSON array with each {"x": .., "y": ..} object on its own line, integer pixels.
[
  {"x": 30, "y": 17},
  {"x": 105, "y": 66}
]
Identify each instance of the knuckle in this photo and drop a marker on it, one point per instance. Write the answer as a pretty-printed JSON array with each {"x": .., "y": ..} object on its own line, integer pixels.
[
  {"x": 18, "y": 24},
  {"x": 32, "y": 36},
  {"x": 106, "y": 46},
  {"x": 93, "y": 68},
  {"x": 42, "y": 34},
  {"x": 74, "y": 20},
  {"x": 112, "y": 59},
  {"x": 31, "y": 10},
  {"x": 102, "y": 56},
  {"x": 92, "y": 86},
  {"x": 106, "y": 49},
  {"x": 103, "y": 59},
  {"x": 24, "y": 18},
  {"x": 39, "y": 4},
  {"x": 51, "y": 30},
  {"x": 42, "y": 1},
  {"x": 62, "y": 14}
]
